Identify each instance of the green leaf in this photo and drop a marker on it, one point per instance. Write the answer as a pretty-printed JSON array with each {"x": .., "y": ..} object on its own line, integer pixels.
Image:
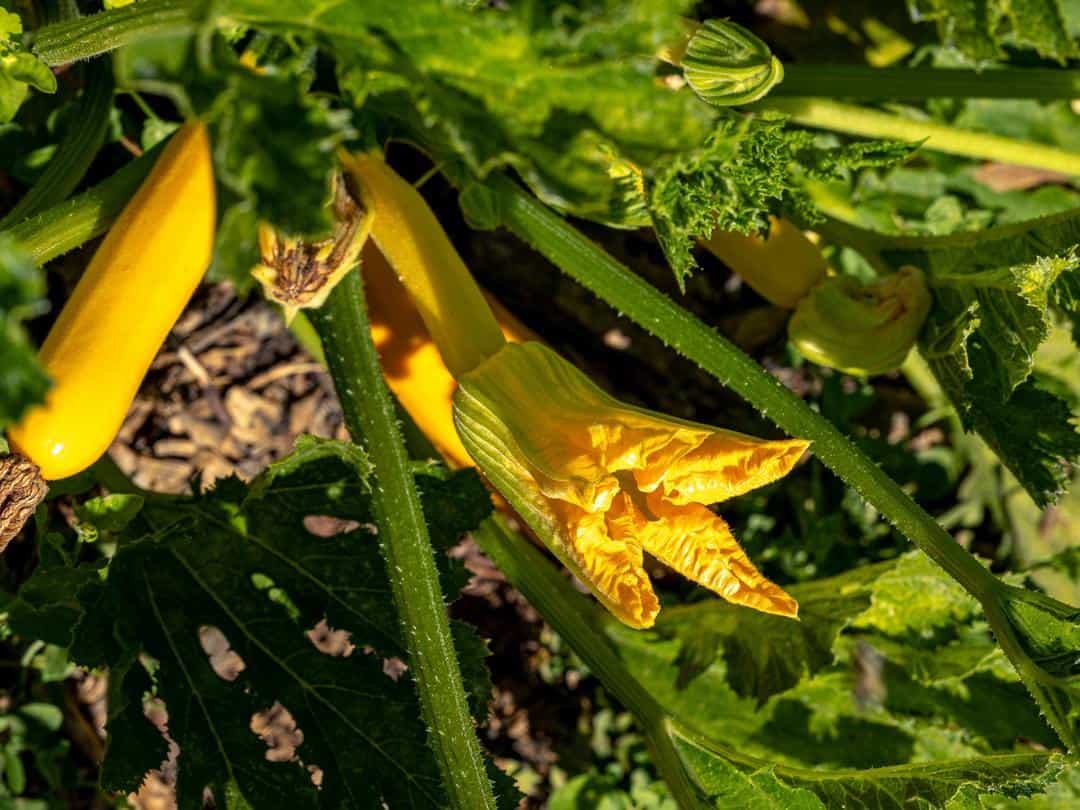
[
  {"x": 753, "y": 785},
  {"x": 245, "y": 561},
  {"x": 19, "y": 69},
  {"x": 46, "y": 606},
  {"x": 604, "y": 791},
  {"x": 274, "y": 134},
  {"x": 22, "y": 295},
  {"x": 840, "y": 692},
  {"x": 551, "y": 94},
  {"x": 110, "y": 513},
  {"x": 1049, "y": 634},
  {"x": 750, "y": 167},
  {"x": 133, "y": 747},
  {"x": 768, "y": 654},
  {"x": 980, "y": 28},
  {"x": 1063, "y": 792},
  {"x": 727, "y": 786},
  {"x": 914, "y": 596},
  {"x": 993, "y": 292}
]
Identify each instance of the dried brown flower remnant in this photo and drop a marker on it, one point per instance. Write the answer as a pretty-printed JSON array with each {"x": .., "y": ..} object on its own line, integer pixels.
[
  {"x": 21, "y": 489},
  {"x": 299, "y": 274}
]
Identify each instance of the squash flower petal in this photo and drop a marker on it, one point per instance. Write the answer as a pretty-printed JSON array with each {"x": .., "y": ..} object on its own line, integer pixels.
[{"x": 602, "y": 482}]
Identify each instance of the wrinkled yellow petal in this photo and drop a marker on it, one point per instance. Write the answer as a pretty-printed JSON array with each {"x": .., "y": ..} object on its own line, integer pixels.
[
  {"x": 601, "y": 482},
  {"x": 612, "y": 568},
  {"x": 699, "y": 545},
  {"x": 725, "y": 465}
]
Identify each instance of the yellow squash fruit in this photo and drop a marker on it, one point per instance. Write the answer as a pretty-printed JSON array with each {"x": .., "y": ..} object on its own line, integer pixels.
[
  {"x": 411, "y": 361},
  {"x": 122, "y": 309},
  {"x": 410, "y": 237},
  {"x": 782, "y": 267}
]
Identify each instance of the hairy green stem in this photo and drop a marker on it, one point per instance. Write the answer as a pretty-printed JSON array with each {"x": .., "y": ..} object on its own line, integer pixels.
[
  {"x": 84, "y": 37},
  {"x": 343, "y": 327},
  {"x": 823, "y": 113},
  {"x": 65, "y": 226},
  {"x": 862, "y": 81},
  {"x": 76, "y": 151}
]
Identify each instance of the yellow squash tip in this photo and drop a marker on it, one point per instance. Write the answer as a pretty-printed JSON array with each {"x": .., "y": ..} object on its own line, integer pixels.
[{"x": 409, "y": 236}]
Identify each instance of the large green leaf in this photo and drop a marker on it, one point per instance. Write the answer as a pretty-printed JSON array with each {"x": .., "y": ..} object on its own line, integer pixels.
[
  {"x": 491, "y": 88},
  {"x": 993, "y": 292},
  {"x": 767, "y": 654},
  {"x": 980, "y": 28},
  {"x": 243, "y": 561},
  {"x": 887, "y": 667},
  {"x": 920, "y": 785}
]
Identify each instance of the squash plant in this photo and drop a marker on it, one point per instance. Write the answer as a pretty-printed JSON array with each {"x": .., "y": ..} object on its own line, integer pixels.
[{"x": 851, "y": 193}]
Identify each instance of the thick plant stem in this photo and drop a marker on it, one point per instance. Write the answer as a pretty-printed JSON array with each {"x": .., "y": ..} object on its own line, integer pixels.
[
  {"x": 65, "y": 226},
  {"x": 78, "y": 149},
  {"x": 584, "y": 261},
  {"x": 823, "y": 113},
  {"x": 576, "y": 618},
  {"x": 861, "y": 81},
  {"x": 84, "y": 37},
  {"x": 342, "y": 324}
]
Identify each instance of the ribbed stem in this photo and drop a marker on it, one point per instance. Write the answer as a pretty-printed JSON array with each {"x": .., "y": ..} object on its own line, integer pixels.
[
  {"x": 76, "y": 151},
  {"x": 84, "y": 37},
  {"x": 850, "y": 119},
  {"x": 64, "y": 227},
  {"x": 342, "y": 324},
  {"x": 861, "y": 81}
]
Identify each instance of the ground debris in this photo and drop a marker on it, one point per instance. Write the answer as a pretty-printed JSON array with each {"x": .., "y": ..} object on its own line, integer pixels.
[{"x": 228, "y": 394}]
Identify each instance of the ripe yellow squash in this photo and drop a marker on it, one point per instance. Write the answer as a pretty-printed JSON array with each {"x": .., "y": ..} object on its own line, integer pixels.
[{"x": 122, "y": 309}]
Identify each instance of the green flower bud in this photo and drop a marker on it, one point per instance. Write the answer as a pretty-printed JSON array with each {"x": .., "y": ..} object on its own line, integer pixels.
[
  {"x": 861, "y": 328},
  {"x": 727, "y": 65}
]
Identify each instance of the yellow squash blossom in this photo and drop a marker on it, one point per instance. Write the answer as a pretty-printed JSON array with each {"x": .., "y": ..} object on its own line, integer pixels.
[{"x": 600, "y": 482}]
